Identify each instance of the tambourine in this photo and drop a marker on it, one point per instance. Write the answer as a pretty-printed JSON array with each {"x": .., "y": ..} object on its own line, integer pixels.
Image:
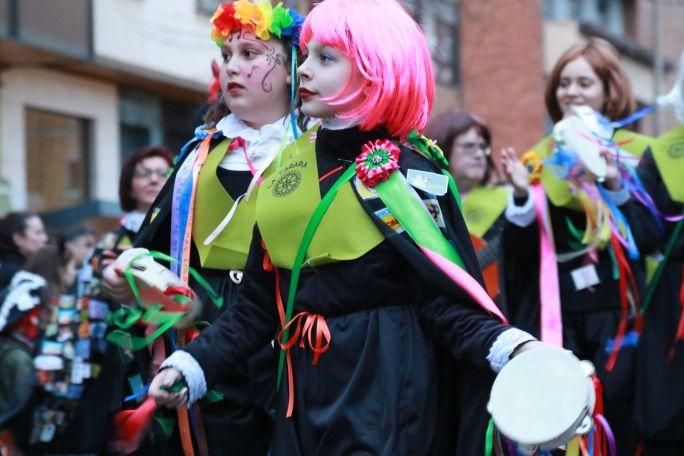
[
  {"x": 159, "y": 285},
  {"x": 543, "y": 398},
  {"x": 584, "y": 134}
]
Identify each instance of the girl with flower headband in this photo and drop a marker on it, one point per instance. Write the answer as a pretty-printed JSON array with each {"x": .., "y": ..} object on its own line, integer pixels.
[
  {"x": 388, "y": 345},
  {"x": 205, "y": 215},
  {"x": 590, "y": 281}
]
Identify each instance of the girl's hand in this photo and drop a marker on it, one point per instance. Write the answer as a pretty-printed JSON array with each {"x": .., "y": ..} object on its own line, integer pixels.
[
  {"x": 115, "y": 285},
  {"x": 613, "y": 179},
  {"x": 162, "y": 391},
  {"x": 515, "y": 172}
]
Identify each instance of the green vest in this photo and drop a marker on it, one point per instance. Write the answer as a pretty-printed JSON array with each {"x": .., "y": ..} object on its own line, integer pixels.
[
  {"x": 557, "y": 189},
  {"x": 288, "y": 198},
  {"x": 482, "y": 207},
  {"x": 668, "y": 153},
  {"x": 212, "y": 203}
]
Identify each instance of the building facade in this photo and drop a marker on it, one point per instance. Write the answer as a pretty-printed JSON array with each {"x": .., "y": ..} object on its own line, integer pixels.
[{"x": 83, "y": 82}]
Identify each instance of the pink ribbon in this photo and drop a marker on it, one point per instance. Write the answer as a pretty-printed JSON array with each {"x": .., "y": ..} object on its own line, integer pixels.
[
  {"x": 465, "y": 281},
  {"x": 549, "y": 290},
  {"x": 239, "y": 143}
]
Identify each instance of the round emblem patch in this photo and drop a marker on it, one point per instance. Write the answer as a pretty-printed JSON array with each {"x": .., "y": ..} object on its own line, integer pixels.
[
  {"x": 473, "y": 216},
  {"x": 287, "y": 183},
  {"x": 676, "y": 149}
]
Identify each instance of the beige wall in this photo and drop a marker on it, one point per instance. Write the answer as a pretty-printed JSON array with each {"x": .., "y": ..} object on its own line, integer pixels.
[
  {"x": 164, "y": 36},
  {"x": 64, "y": 94}
]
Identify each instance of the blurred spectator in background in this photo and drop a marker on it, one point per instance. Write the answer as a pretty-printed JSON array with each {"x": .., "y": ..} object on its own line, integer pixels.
[
  {"x": 21, "y": 234},
  {"x": 466, "y": 141},
  {"x": 38, "y": 342},
  {"x": 79, "y": 241}
]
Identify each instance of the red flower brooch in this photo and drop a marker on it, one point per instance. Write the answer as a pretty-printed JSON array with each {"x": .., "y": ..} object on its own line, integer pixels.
[{"x": 377, "y": 161}]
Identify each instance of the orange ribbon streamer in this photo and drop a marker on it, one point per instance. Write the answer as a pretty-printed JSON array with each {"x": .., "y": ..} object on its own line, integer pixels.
[{"x": 310, "y": 330}]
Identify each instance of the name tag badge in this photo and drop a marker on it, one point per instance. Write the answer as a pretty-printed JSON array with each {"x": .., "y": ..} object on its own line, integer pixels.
[
  {"x": 433, "y": 183},
  {"x": 585, "y": 277}
]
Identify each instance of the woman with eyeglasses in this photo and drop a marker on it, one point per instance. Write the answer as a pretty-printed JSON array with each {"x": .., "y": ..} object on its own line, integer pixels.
[
  {"x": 465, "y": 139},
  {"x": 598, "y": 283}
]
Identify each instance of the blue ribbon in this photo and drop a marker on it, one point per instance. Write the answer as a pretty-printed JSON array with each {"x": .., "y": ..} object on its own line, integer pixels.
[
  {"x": 620, "y": 220},
  {"x": 137, "y": 394},
  {"x": 631, "y": 339},
  {"x": 634, "y": 117},
  {"x": 293, "y": 84}
]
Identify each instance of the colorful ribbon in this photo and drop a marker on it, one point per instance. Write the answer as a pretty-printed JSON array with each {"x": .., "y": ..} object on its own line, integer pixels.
[{"x": 549, "y": 288}]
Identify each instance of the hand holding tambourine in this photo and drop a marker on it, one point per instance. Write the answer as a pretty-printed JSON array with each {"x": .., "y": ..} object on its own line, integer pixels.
[
  {"x": 155, "y": 284},
  {"x": 584, "y": 135},
  {"x": 543, "y": 398}
]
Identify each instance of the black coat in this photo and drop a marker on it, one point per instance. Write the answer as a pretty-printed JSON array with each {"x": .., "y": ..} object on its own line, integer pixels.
[
  {"x": 406, "y": 372},
  {"x": 10, "y": 263},
  {"x": 659, "y": 386},
  {"x": 590, "y": 316},
  {"x": 240, "y": 421}
]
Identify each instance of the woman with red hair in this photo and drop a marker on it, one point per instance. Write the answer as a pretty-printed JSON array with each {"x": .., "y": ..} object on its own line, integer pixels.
[{"x": 595, "y": 288}]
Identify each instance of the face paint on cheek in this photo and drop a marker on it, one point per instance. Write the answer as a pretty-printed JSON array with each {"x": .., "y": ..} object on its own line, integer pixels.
[{"x": 273, "y": 59}]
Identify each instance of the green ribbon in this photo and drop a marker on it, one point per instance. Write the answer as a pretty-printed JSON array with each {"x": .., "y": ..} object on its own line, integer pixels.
[
  {"x": 489, "y": 438},
  {"x": 434, "y": 153},
  {"x": 408, "y": 211},
  {"x": 661, "y": 267},
  {"x": 125, "y": 318},
  {"x": 412, "y": 216},
  {"x": 309, "y": 232}
]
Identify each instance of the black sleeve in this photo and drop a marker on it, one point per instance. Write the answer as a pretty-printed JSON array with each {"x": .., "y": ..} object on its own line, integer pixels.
[
  {"x": 243, "y": 328},
  {"x": 446, "y": 311},
  {"x": 648, "y": 235},
  {"x": 520, "y": 243},
  {"x": 457, "y": 322}
]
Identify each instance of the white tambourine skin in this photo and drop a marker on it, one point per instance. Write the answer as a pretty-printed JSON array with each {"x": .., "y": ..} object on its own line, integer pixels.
[
  {"x": 542, "y": 398},
  {"x": 582, "y": 134}
]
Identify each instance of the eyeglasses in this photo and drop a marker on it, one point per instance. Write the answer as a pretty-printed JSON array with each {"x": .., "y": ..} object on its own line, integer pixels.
[
  {"x": 471, "y": 147},
  {"x": 145, "y": 173}
]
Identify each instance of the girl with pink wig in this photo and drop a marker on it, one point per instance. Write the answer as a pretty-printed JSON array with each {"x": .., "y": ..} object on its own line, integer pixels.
[{"x": 380, "y": 351}]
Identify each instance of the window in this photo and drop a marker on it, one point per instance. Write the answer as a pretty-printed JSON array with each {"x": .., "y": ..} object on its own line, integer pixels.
[
  {"x": 56, "y": 160},
  {"x": 608, "y": 14},
  {"x": 439, "y": 20}
]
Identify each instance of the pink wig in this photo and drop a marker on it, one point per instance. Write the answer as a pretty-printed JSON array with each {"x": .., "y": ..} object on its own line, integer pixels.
[{"x": 390, "y": 53}]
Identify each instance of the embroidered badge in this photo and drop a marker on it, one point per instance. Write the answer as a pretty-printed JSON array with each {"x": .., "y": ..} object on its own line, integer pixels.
[
  {"x": 287, "y": 183},
  {"x": 676, "y": 150}
]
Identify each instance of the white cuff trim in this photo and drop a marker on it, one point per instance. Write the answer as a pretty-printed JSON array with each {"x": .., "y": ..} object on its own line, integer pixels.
[
  {"x": 504, "y": 345},
  {"x": 619, "y": 197},
  {"x": 184, "y": 363},
  {"x": 521, "y": 216}
]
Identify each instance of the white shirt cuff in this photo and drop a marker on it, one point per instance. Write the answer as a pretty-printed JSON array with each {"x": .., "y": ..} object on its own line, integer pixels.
[
  {"x": 619, "y": 197},
  {"x": 188, "y": 366},
  {"x": 521, "y": 216},
  {"x": 504, "y": 345}
]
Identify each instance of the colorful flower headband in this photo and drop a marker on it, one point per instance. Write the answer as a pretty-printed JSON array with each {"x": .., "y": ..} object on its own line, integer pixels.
[{"x": 261, "y": 18}]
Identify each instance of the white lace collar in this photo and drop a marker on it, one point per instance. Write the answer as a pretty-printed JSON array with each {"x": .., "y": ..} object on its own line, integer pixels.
[{"x": 232, "y": 127}]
